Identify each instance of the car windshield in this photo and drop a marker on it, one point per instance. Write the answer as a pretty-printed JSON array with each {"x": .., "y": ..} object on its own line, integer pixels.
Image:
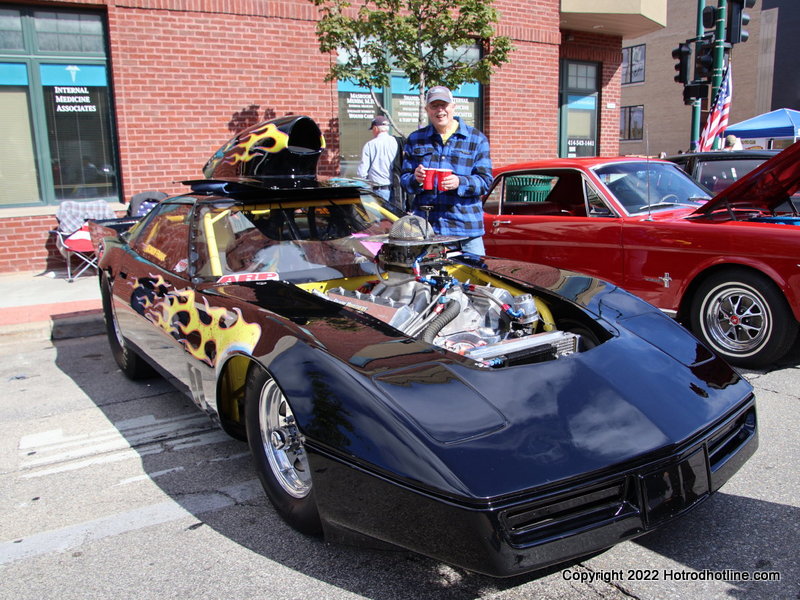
[
  {"x": 717, "y": 175},
  {"x": 646, "y": 186},
  {"x": 295, "y": 240}
]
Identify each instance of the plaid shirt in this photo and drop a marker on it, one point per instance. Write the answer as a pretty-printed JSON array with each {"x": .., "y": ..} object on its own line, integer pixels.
[{"x": 459, "y": 211}]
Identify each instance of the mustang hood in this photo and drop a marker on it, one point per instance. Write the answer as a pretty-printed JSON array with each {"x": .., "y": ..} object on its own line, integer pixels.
[{"x": 764, "y": 188}]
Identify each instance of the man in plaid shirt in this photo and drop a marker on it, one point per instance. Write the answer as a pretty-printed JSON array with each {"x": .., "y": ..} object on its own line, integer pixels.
[{"x": 449, "y": 143}]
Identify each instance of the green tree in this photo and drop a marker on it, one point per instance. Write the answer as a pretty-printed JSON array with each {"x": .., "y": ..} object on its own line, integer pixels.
[{"x": 431, "y": 41}]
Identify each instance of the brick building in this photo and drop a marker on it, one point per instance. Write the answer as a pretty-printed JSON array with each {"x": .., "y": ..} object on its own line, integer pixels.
[
  {"x": 764, "y": 71},
  {"x": 106, "y": 98}
]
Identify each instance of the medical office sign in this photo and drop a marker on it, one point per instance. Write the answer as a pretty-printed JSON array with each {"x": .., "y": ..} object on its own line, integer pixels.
[
  {"x": 73, "y": 99},
  {"x": 72, "y": 88}
]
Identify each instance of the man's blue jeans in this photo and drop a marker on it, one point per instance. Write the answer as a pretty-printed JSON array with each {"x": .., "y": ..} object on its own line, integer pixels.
[{"x": 474, "y": 246}]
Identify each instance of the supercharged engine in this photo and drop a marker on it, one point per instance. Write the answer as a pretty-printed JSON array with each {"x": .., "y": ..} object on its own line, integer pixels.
[
  {"x": 482, "y": 322},
  {"x": 426, "y": 296}
]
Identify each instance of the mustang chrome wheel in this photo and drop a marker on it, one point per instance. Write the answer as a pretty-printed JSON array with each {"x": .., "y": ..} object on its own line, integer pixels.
[
  {"x": 283, "y": 442},
  {"x": 737, "y": 318},
  {"x": 744, "y": 317}
]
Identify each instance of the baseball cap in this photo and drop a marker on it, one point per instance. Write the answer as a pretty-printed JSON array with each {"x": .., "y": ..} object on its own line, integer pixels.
[
  {"x": 379, "y": 122},
  {"x": 439, "y": 92}
]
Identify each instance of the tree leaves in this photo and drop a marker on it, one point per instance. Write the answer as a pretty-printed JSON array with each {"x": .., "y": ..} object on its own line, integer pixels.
[{"x": 433, "y": 42}]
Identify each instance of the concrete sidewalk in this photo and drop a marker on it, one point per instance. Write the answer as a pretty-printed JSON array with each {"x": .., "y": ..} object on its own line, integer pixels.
[{"x": 46, "y": 306}]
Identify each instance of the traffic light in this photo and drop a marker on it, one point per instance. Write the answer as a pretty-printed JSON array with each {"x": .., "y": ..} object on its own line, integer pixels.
[
  {"x": 737, "y": 19},
  {"x": 704, "y": 60},
  {"x": 695, "y": 91},
  {"x": 710, "y": 17},
  {"x": 682, "y": 54}
]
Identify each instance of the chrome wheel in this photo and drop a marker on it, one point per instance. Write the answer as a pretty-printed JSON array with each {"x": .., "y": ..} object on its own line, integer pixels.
[
  {"x": 737, "y": 318},
  {"x": 744, "y": 317},
  {"x": 283, "y": 442},
  {"x": 115, "y": 324}
]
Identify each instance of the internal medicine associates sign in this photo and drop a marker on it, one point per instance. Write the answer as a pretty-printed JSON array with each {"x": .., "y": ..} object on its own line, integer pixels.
[
  {"x": 73, "y": 99},
  {"x": 72, "y": 86}
]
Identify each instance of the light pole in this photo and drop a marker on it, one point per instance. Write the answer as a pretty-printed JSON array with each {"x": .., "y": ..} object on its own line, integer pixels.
[{"x": 697, "y": 102}]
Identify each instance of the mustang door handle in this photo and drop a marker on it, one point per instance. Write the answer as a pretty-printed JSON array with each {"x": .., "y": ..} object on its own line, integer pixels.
[{"x": 498, "y": 223}]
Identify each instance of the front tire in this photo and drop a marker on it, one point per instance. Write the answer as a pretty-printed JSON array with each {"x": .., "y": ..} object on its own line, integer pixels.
[
  {"x": 278, "y": 450},
  {"x": 744, "y": 317},
  {"x": 130, "y": 363}
]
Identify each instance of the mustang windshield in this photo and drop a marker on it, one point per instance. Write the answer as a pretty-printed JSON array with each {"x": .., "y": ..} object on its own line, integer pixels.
[
  {"x": 645, "y": 186},
  {"x": 294, "y": 240}
]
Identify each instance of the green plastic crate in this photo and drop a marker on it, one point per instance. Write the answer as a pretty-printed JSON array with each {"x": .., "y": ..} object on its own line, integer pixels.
[{"x": 528, "y": 188}]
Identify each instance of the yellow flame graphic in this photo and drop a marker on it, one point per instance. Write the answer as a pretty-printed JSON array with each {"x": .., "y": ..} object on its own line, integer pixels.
[
  {"x": 205, "y": 331},
  {"x": 269, "y": 131}
]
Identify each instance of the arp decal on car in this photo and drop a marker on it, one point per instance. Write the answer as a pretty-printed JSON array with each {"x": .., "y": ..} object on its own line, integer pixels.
[
  {"x": 242, "y": 277},
  {"x": 205, "y": 331}
]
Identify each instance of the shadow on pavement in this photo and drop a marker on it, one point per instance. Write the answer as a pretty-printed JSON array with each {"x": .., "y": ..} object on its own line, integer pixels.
[
  {"x": 738, "y": 535},
  {"x": 189, "y": 458},
  {"x": 192, "y": 458}
]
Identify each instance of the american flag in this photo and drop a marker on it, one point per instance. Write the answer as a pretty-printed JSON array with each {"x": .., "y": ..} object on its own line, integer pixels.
[{"x": 718, "y": 117}]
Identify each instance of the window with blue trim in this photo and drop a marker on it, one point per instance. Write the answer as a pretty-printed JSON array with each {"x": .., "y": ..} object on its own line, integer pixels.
[
  {"x": 401, "y": 99},
  {"x": 55, "y": 105}
]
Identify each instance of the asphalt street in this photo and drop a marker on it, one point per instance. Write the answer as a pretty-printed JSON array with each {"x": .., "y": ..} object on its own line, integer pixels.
[{"x": 116, "y": 489}]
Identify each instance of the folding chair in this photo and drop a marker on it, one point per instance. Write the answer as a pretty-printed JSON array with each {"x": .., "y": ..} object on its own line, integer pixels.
[{"x": 72, "y": 234}]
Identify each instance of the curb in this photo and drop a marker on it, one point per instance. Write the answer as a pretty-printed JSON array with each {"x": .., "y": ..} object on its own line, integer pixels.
[
  {"x": 83, "y": 324},
  {"x": 58, "y": 327}
]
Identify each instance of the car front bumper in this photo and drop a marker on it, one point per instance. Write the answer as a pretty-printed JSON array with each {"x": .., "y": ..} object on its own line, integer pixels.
[{"x": 508, "y": 536}]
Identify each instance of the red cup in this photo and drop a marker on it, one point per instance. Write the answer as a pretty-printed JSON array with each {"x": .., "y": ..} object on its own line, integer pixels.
[
  {"x": 442, "y": 173},
  {"x": 430, "y": 179}
]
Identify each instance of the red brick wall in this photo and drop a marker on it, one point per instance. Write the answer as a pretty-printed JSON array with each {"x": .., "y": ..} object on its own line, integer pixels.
[
  {"x": 26, "y": 243},
  {"x": 608, "y": 51},
  {"x": 521, "y": 104},
  {"x": 188, "y": 74},
  {"x": 187, "y": 80}
]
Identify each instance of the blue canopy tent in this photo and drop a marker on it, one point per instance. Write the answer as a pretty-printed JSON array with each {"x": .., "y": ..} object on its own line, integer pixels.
[{"x": 781, "y": 123}]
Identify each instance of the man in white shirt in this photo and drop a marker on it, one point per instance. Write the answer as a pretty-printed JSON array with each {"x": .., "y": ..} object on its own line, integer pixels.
[{"x": 377, "y": 158}]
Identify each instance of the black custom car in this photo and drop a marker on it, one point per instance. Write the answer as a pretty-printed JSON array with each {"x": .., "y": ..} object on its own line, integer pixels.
[
  {"x": 718, "y": 169},
  {"x": 496, "y": 415}
]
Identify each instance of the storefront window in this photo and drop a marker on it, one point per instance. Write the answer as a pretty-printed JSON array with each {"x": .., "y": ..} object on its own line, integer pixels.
[
  {"x": 10, "y": 30},
  {"x": 579, "y": 98},
  {"x": 55, "y": 108},
  {"x": 405, "y": 104},
  {"x": 77, "y": 110},
  {"x": 18, "y": 178},
  {"x": 401, "y": 100},
  {"x": 356, "y": 111},
  {"x": 68, "y": 32}
]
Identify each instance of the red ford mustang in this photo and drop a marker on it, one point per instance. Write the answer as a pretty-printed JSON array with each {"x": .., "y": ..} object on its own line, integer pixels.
[{"x": 728, "y": 268}]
